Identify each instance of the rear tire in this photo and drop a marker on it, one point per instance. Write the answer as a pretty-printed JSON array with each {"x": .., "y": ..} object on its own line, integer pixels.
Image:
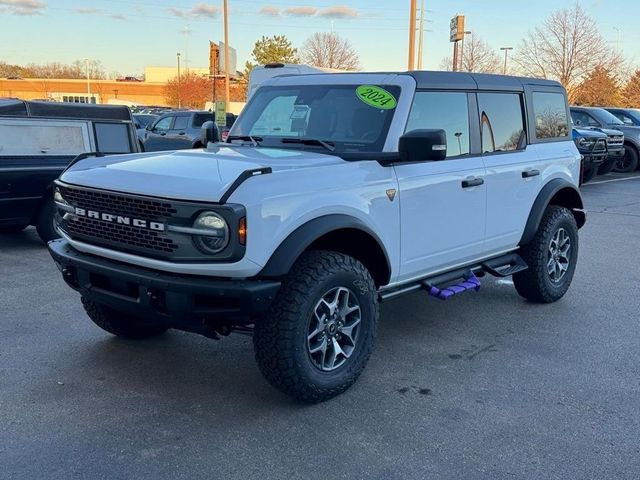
[
  {"x": 318, "y": 335},
  {"x": 120, "y": 324},
  {"x": 45, "y": 221},
  {"x": 629, "y": 162},
  {"x": 551, "y": 256}
]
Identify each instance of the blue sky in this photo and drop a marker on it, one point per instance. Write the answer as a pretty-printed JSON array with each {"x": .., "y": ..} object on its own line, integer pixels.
[{"x": 126, "y": 35}]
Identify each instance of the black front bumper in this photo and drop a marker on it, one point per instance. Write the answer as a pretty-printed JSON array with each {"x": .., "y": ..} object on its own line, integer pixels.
[
  {"x": 170, "y": 297},
  {"x": 615, "y": 153}
]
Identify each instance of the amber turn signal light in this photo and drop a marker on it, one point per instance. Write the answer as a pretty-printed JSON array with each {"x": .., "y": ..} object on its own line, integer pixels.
[{"x": 242, "y": 231}]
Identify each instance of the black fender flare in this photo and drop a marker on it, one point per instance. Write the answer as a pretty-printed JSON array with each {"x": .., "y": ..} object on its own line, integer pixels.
[
  {"x": 301, "y": 238},
  {"x": 542, "y": 202}
]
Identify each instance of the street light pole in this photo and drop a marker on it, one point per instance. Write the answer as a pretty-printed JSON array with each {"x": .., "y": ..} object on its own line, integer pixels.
[
  {"x": 226, "y": 54},
  {"x": 412, "y": 35},
  {"x": 506, "y": 53},
  {"x": 179, "y": 99}
]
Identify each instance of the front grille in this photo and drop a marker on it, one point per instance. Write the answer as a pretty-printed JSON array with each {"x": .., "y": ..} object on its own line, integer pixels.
[
  {"x": 600, "y": 146},
  {"x": 615, "y": 141},
  {"x": 125, "y": 237},
  {"x": 118, "y": 204},
  {"x": 122, "y": 234}
]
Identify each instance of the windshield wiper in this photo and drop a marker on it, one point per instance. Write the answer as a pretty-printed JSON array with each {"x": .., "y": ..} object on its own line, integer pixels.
[
  {"x": 310, "y": 141},
  {"x": 253, "y": 140}
]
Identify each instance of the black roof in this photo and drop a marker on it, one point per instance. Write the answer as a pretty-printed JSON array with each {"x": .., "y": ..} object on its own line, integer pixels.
[
  {"x": 476, "y": 81},
  {"x": 83, "y": 111}
]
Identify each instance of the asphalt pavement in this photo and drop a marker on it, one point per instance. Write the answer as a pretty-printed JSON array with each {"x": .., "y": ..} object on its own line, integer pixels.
[{"x": 484, "y": 386}]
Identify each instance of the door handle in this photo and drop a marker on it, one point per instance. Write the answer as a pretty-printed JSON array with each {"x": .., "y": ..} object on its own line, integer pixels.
[
  {"x": 163, "y": 134},
  {"x": 181, "y": 133},
  {"x": 472, "y": 182},
  {"x": 530, "y": 173}
]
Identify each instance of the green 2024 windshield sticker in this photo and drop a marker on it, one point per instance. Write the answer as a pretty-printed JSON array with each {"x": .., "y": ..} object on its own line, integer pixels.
[{"x": 376, "y": 97}]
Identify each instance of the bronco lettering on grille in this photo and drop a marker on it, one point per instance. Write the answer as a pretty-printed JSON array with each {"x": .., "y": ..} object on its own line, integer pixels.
[{"x": 107, "y": 217}]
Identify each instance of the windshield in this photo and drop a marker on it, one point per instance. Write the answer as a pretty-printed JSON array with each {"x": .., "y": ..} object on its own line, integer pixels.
[
  {"x": 606, "y": 117},
  {"x": 343, "y": 118}
]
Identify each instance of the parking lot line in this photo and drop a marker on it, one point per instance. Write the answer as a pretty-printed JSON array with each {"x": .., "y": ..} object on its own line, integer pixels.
[{"x": 612, "y": 180}]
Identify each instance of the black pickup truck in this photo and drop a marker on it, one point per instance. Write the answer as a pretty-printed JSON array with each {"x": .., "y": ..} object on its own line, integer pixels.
[{"x": 37, "y": 142}]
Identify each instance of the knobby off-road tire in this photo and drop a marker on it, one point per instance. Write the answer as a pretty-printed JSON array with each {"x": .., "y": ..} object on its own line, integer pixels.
[
  {"x": 120, "y": 324},
  {"x": 551, "y": 255},
  {"x": 326, "y": 297},
  {"x": 629, "y": 162},
  {"x": 45, "y": 221}
]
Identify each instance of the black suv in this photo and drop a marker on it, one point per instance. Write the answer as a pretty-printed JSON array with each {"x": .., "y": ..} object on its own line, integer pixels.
[
  {"x": 622, "y": 145},
  {"x": 176, "y": 130},
  {"x": 38, "y": 141}
]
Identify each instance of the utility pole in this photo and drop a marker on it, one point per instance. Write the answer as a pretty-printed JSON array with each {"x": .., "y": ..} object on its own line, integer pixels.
[
  {"x": 412, "y": 35},
  {"x": 506, "y": 53},
  {"x": 179, "y": 100},
  {"x": 86, "y": 66},
  {"x": 226, "y": 55},
  {"x": 421, "y": 33}
]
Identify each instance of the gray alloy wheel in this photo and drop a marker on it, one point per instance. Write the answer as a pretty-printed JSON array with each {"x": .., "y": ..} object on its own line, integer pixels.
[
  {"x": 559, "y": 255},
  {"x": 333, "y": 329}
]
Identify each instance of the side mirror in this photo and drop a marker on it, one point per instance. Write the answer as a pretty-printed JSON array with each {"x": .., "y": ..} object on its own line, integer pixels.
[
  {"x": 423, "y": 145},
  {"x": 210, "y": 133},
  {"x": 149, "y": 127}
]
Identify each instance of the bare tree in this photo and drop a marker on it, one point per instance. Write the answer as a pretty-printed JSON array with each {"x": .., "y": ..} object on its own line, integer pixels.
[
  {"x": 477, "y": 56},
  {"x": 329, "y": 50},
  {"x": 566, "y": 47}
]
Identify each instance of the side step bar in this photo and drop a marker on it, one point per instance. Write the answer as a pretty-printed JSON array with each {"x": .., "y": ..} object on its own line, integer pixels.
[{"x": 446, "y": 285}]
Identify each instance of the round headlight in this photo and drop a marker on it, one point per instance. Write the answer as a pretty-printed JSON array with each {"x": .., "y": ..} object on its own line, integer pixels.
[
  {"x": 215, "y": 233},
  {"x": 585, "y": 142}
]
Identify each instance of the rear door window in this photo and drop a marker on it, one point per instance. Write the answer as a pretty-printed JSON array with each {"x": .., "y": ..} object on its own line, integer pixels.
[
  {"x": 550, "y": 110},
  {"x": 181, "y": 123},
  {"x": 501, "y": 122}
]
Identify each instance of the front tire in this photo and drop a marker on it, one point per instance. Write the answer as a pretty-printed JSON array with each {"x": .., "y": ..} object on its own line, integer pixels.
[
  {"x": 45, "y": 221},
  {"x": 588, "y": 174},
  {"x": 551, "y": 256},
  {"x": 318, "y": 335},
  {"x": 120, "y": 324},
  {"x": 629, "y": 162}
]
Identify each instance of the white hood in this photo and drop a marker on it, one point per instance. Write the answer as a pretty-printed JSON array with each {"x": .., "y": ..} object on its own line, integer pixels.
[{"x": 202, "y": 175}]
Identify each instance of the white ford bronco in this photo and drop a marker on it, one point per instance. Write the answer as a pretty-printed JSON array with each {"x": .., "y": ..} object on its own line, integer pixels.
[{"x": 333, "y": 193}]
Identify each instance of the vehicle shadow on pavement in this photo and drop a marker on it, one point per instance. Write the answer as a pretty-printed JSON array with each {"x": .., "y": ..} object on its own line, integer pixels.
[{"x": 20, "y": 241}]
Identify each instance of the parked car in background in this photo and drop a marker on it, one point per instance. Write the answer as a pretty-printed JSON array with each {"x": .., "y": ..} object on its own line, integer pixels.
[
  {"x": 628, "y": 116},
  {"x": 142, "y": 121},
  {"x": 592, "y": 145},
  {"x": 176, "y": 130},
  {"x": 600, "y": 118},
  {"x": 38, "y": 141},
  {"x": 224, "y": 131},
  {"x": 615, "y": 150}
]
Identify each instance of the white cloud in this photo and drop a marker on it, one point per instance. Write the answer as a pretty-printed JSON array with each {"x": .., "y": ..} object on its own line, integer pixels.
[
  {"x": 301, "y": 11},
  {"x": 338, "y": 11},
  {"x": 199, "y": 10},
  {"x": 270, "y": 11},
  {"x": 23, "y": 7}
]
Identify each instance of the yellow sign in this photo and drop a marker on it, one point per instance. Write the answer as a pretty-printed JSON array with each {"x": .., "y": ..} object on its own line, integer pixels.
[{"x": 221, "y": 114}]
